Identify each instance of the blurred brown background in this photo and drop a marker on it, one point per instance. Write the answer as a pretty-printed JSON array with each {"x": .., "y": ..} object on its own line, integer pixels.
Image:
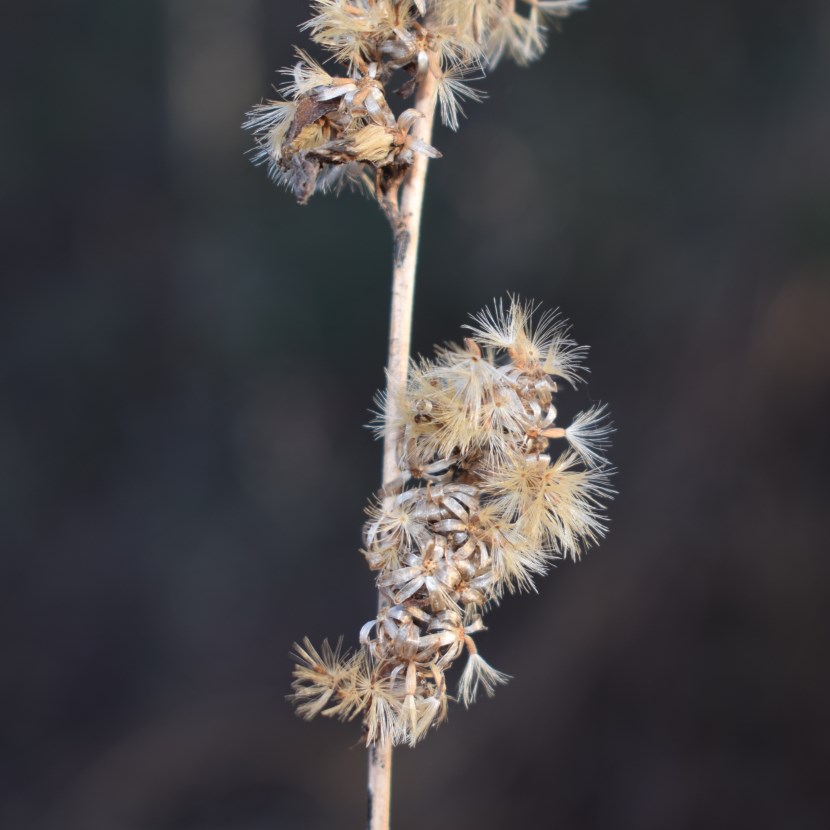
[{"x": 187, "y": 360}]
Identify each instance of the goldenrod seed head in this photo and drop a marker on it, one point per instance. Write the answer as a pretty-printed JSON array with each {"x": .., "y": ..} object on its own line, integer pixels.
[
  {"x": 449, "y": 42},
  {"x": 483, "y": 506}
]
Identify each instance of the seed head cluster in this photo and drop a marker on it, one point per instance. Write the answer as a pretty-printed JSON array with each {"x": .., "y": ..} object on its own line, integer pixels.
[
  {"x": 482, "y": 506},
  {"x": 332, "y": 129}
]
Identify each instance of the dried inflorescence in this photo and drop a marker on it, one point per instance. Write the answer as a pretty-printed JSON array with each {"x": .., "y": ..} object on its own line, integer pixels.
[
  {"x": 332, "y": 129},
  {"x": 481, "y": 508}
]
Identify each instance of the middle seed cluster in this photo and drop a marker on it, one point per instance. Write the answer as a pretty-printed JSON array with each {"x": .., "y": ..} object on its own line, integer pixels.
[{"x": 481, "y": 507}]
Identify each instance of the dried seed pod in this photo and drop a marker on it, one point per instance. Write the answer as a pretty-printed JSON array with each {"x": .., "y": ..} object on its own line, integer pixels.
[
  {"x": 483, "y": 506},
  {"x": 334, "y": 129}
]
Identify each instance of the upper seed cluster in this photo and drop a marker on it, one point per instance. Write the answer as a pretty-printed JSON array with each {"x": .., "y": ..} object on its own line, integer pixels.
[
  {"x": 481, "y": 507},
  {"x": 332, "y": 129}
]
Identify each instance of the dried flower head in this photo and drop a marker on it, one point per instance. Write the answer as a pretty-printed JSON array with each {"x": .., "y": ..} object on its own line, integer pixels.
[
  {"x": 336, "y": 129},
  {"x": 482, "y": 505}
]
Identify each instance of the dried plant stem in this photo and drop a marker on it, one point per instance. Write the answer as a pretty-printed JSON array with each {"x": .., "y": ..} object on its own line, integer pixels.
[
  {"x": 380, "y": 785},
  {"x": 406, "y": 228},
  {"x": 477, "y": 420}
]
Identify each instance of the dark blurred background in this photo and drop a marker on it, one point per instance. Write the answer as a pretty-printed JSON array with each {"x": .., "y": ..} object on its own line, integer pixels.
[{"x": 187, "y": 359}]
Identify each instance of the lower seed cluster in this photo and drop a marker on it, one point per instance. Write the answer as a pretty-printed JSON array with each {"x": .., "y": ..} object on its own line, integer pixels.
[{"x": 481, "y": 507}]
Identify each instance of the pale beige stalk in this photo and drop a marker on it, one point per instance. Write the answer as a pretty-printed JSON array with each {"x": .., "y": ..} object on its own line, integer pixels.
[{"x": 407, "y": 233}]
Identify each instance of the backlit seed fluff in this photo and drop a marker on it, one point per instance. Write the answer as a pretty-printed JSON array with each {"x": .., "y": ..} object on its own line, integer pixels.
[
  {"x": 337, "y": 128},
  {"x": 491, "y": 491}
]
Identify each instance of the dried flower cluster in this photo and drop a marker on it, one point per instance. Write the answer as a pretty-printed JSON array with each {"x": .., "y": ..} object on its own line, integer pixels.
[
  {"x": 481, "y": 507},
  {"x": 333, "y": 129}
]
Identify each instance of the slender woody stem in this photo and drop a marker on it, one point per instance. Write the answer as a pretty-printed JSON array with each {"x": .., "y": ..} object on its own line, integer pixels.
[{"x": 406, "y": 230}]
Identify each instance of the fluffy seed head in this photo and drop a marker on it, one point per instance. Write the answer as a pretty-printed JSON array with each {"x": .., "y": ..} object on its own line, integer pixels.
[
  {"x": 482, "y": 507},
  {"x": 449, "y": 42}
]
